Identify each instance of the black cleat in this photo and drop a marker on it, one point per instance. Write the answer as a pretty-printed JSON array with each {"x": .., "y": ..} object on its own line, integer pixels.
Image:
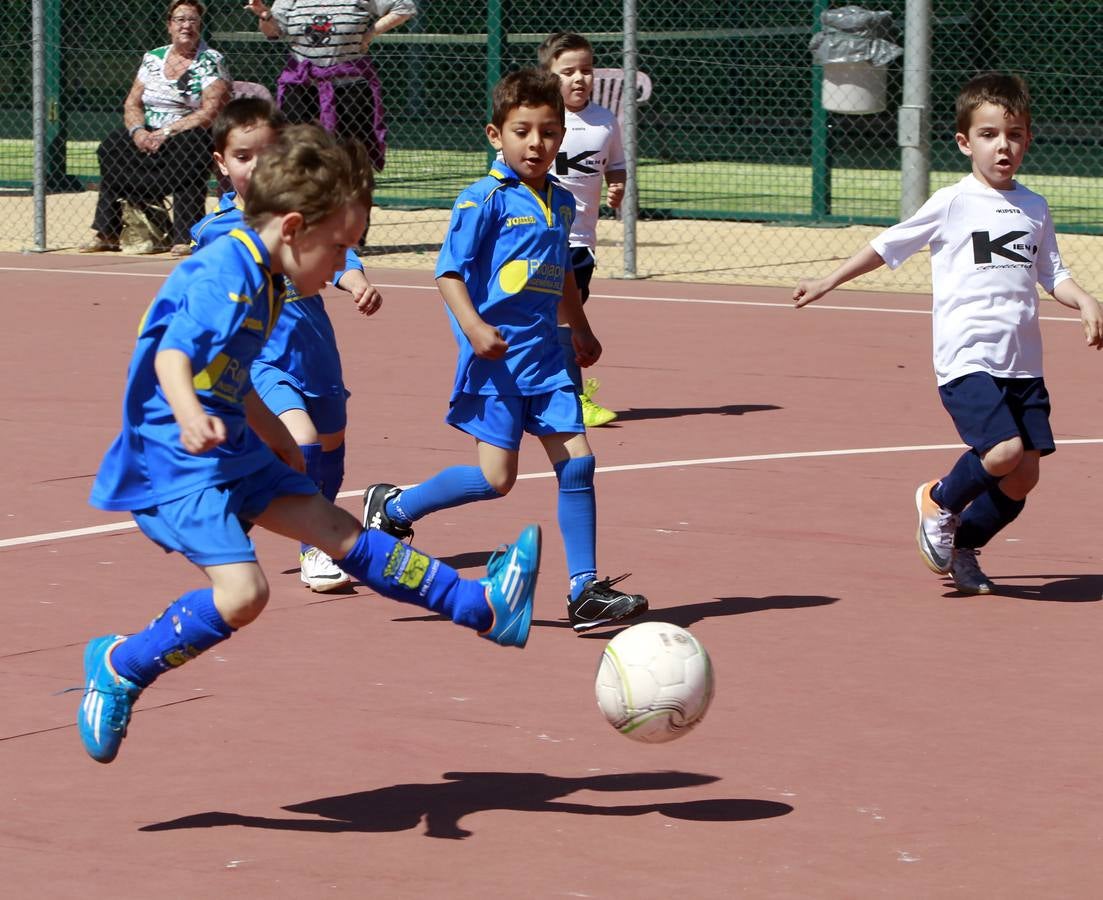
[
  {"x": 375, "y": 511},
  {"x": 599, "y": 604}
]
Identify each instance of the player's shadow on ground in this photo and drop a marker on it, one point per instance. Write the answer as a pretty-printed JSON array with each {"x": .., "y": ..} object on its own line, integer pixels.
[
  {"x": 689, "y": 614},
  {"x": 735, "y": 409},
  {"x": 444, "y": 805},
  {"x": 1047, "y": 589},
  {"x": 685, "y": 615}
]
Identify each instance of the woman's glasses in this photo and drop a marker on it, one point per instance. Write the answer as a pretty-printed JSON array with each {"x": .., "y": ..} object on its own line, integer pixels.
[{"x": 185, "y": 20}]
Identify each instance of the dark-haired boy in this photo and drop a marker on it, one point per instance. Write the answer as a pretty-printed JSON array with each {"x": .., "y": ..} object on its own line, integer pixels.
[
  {"x": 992, "y": 242},
  {"x": 504, "y": 271}
]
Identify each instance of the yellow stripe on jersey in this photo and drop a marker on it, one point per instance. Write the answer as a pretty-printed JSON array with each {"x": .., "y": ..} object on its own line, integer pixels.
[{"x": 208, "y": 378}]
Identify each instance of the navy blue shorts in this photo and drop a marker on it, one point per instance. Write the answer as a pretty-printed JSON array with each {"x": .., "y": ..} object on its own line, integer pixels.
[
  {"x": 501, "y": 421},
  {"x": 210, "y": 526},
  {"x": 582, "y": 261},
  {"x": 987, "y": 410}
]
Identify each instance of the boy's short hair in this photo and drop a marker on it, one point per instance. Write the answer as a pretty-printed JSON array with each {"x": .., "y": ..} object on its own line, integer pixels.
[
  {"x": 527, "y": 87},
  {"x": 1008, "y": 91},
  {"x": 199, "y": 7},
  {"x": 243, "y": 111},
  {"x": 308, "y": 171},
  {"x": 559, "y": 42}
]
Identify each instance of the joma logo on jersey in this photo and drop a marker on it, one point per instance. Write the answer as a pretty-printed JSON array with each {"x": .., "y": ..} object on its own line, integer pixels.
[
  {"x": 514, "y": 221},
  {"x": 984, "y": 246}
]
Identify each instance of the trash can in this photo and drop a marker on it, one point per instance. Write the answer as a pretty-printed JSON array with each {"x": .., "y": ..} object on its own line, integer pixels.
[{"x": 854, "y": 50}]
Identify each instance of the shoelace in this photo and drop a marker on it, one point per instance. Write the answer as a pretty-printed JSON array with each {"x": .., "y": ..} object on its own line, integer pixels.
[
  {"x": 497, "y": 560},
  {"x": 605, "y": 585},
  {"x": 947, "y": 525}
]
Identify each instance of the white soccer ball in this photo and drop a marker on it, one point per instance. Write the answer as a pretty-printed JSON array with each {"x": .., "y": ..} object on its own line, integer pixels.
[{"x": 654, "y": 682}]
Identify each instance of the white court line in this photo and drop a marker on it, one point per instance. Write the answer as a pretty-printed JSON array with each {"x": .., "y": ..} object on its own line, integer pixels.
[
  {"x": 632, "y": 467},
  {"x": 622, "y": 297}
]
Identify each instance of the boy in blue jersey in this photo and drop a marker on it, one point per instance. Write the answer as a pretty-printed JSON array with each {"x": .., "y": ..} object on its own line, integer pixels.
[
  {"x": 298, "y": 373},
  {"x": 201, "y": 458},
  {"x": 504, "y": 271}
]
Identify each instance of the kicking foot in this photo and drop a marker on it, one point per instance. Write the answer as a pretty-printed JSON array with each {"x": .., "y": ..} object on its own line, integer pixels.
[{"x": 510, "y": 588}]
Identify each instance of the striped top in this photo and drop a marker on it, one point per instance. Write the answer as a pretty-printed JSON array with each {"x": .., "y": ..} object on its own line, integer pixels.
[{"x": 328, "y": 32}]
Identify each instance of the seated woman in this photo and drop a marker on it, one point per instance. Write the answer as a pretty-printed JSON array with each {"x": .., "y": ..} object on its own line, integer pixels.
[{"x": 165, "y": 145}]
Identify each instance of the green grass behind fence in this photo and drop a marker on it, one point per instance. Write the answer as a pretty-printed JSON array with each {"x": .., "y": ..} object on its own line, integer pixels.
[{"x": 734, "y": 190}]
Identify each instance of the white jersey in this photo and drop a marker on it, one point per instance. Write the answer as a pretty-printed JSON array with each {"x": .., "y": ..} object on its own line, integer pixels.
[
  {"x": 989, "y": 251},
  {"x": 591, "y": 148}
]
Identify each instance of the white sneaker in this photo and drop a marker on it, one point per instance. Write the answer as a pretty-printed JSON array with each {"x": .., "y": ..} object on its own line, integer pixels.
[
  {"x": 320, "y": 573},
  {"x": 935, "y": 534},
  {"x": 968, "y": 578}
]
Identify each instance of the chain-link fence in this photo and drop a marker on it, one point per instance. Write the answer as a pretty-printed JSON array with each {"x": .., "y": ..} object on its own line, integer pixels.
[{"x": 743, "y": 175}]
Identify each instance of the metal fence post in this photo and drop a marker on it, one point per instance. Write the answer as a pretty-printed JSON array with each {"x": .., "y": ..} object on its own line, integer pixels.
[
  {"x": 821, "y": 133},
  {"x": 630, "y": 206},
  {"x": 38, "y": 116},
  {"x": 913, "y": 135}
]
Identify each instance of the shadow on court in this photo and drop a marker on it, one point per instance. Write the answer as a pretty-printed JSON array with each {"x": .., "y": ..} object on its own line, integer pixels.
[
  {"x": 444, "y": 805},
  {"x": 683, "y": 616},
  {"x": 735, "y": 409},
  {"x": 1051, "y": 589}
]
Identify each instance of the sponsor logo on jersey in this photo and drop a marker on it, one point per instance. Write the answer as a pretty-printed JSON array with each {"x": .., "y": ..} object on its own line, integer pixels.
[
  {"x": 985, "y": 246},
  {"x": 466, "y": 204},
  {"x": 565, "y": 165},
  {"x": 514, "y": 221}
]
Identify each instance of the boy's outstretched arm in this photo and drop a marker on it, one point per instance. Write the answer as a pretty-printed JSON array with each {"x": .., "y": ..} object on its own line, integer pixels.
[
  {"x": 365, "y": 295},
  {"x": 486, "y": 340},
  {"x": 809, "y": 289},
  {"x": 587, "y": 348},
  {"x": 1072, "y": 295},
  {"x": 199, "y": 431}
]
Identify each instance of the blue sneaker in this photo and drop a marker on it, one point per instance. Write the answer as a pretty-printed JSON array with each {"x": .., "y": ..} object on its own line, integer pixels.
[
  {"x": 108, "y": 697},
  {"x": 510, "y": 587}
]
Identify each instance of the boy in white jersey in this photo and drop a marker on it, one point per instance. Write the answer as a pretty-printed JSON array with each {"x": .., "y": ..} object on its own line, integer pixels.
[
  {"x": 992, "y": 241},
  {"x": 591, "y": 149}
]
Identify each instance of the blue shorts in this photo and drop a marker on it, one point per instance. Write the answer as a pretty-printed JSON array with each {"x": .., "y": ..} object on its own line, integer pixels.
[
  {"x": 987, "y": 410},
  {"x": 583, "y": 262},
  {"x": 329, "y": 414},
  {"x": 210, "y": 526},
  {"x": 502, "y": 420}
]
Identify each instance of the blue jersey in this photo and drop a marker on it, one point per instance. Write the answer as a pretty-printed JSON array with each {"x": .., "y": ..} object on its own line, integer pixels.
[
  {"x": 302, "y": 350},
  {"x": 217, "y": 307},
  {"x": 509, "y": 245}
]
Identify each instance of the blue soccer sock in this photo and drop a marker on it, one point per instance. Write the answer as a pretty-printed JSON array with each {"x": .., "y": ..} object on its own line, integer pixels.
[
  {"x": 450, "y": 487},
  {"x": 568, "y": 355},
  {"x": 578, "y": 519},
  {"x": 190, "y": 625},
  {"x": 398, "y": 571},
  {"x": 331, "y": 467},
  {"x": 312, "y": 456},
  {"x": 968, "y": 479},
  {"x": 991, "y": 512}
]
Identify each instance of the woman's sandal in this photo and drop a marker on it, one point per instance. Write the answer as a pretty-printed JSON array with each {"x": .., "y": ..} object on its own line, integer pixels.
[{"x": 99, "y": 244}]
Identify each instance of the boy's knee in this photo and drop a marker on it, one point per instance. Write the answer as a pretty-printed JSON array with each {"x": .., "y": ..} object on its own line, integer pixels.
[
  {"x": 501, "y": 482},
  {"x": 1004, "y": 458},
  {"x": 242, "y": 604}
]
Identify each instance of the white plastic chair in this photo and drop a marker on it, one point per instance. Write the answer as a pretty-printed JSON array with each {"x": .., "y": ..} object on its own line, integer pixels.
[
  {"x": 609, "y": 89},
  {"x": 252, "y": 89}
]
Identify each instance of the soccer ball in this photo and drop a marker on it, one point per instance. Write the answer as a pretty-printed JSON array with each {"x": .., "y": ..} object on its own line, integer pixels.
[{"x": 654, "y": 682}]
